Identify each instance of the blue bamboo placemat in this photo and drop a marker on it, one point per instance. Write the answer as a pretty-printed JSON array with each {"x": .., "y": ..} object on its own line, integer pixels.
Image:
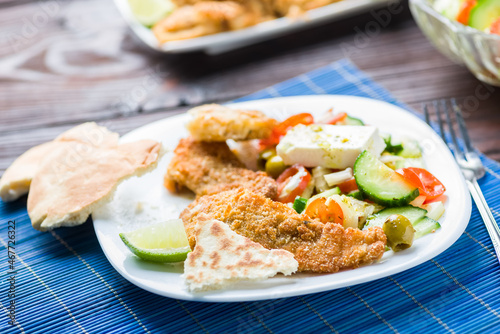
[{"x": 64, "y": 284}]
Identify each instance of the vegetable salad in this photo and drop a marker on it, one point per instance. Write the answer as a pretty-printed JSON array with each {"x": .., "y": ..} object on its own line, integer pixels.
[
  {"x": 391, "y": 189},
  {"x": 483, "y": 15}
]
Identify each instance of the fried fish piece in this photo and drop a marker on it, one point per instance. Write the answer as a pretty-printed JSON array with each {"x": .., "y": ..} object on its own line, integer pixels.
[
  {"x": 294, "y": 8},
  {"x": 316, "y": 246},
  {"x": 184, "y": 23},
  {"x": 207, "y": 17},
  {"x": 213, "y": 122},
  {"x": 263, "y": 9},
  {"x": 210, "y": 168}
]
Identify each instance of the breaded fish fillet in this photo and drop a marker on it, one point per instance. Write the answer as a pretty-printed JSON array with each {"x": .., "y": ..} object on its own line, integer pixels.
[
  {"x": 198, "y": 18},
  {"x": 294, "y": 8},
  {"x": 210, "y": 168},
  {"x": 213, "y": 122},
  {"x": 186, "y": 22},
  {"x": 316, "y": 246}
]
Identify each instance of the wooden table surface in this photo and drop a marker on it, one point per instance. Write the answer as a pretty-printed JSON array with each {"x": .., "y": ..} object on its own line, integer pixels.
[{"x": 66, "y": 62}]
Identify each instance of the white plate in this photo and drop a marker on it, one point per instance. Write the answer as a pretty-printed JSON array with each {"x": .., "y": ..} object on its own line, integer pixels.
[
  {"x": 158, "y": 205},
  {"x": 226, "y": 41}
]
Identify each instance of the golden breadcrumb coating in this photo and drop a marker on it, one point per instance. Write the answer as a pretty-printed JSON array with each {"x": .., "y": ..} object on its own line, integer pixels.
[
  {"x": 184, "y": 23},
  {"x": 316, "y": 246},
  {"x": 213, "y": 122},
  {"x": 210, "y": 168},
  {"x": 295, "y": 8},
  {"x": 199, "y": 18}
]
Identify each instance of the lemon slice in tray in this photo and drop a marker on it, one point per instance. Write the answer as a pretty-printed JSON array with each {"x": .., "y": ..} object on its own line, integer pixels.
[{"x": 148, "y": 12}]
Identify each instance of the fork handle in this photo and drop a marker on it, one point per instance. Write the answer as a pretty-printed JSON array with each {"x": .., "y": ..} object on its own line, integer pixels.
[{"x": 484, "y": 210}]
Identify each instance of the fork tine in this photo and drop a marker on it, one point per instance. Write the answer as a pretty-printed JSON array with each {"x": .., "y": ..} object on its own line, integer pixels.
[
  {"x": 461, "y": 126},
  {"x": 426, "y": 113},
  {"x": 454, "y": 146},
  {"x": 440, "y": 120}
]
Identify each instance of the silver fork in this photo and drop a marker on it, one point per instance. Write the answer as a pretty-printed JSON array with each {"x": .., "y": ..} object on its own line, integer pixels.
[{"x": 468, "y": 161}]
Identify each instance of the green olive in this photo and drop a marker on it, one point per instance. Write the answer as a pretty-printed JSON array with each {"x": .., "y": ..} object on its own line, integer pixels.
[
  {"x": 265, "y": 155},
  {"x": 399, "y": 232},
  {"x": 275, "y": 166}
]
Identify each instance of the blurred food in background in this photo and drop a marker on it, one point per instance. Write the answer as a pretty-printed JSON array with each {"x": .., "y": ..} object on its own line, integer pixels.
[
  {"x": 172, "y": 20},
  {"x": 466, "y": 31},
  {"x": 483, "y": 15}
]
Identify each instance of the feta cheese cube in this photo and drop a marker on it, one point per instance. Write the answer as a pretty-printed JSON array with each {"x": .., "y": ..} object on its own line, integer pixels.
[{"x": 331, "y": 146}]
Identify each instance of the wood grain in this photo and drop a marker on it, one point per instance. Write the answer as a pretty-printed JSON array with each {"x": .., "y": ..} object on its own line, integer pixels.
[{"x": 37, "y": 101}]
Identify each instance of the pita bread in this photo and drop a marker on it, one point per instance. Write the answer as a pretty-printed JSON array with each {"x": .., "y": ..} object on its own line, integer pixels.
[
  {"x": 222, "y": 257},
  {"x": 16, "y": 180},
  {"x": 92, "y": 134},
  {"x": 76, "y": 178}
]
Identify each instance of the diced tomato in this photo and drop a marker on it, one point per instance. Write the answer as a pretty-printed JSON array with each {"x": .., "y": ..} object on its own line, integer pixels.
[
  {"x": 334, "y": 119},
  {"x": 326, "y": 210},
  {"x": 428, "y": 185},
  {"x": 464, "y": 12},
  {"x": 282, "y": 128},
  {"x": 443, "y": 198},
  {"x": 348, "y": 186},
  {"x": 284, "y": 179},
  {"x": 495, "y": 27}
]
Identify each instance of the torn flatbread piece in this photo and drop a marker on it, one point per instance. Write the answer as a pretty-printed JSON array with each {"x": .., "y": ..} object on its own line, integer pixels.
[
  {"x": 76, "y": 178},
  {"x": 213, "y": 122},
  {"x": 16, "y": 180},
  {"x": 92, "y": 134},
  {"x": 223, "y": 257}
]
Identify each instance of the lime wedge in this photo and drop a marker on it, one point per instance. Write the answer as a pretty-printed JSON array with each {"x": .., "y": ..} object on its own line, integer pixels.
[
  {"x": 164, "y": 242},
  {"x": 148, "y": 12}
]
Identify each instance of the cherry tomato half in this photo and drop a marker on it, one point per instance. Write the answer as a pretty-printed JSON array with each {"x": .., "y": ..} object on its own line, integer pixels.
[
  {"x": 288, "y": 195},
  {"x": 336, "y": 118},
  {"x": 282, "y": 128},
  {"x": 428, "y": 185},
  {"x": 326, "y": 210},
  {"x": 464, "y": 12},
  {"x": 495, "y": 27},
  {"x": 348, "y": 186}
]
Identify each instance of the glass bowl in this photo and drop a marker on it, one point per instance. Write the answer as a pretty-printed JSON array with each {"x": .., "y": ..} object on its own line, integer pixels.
[{"x": 477, "y": 50}]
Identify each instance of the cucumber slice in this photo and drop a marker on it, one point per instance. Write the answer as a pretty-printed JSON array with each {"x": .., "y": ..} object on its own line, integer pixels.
[
  {"x": 356, "y": 194},
  {"x": 413, "y": 214},
  {"x": 422, "y": 224},
  {"x": 381, "y": 184},
  {"x": 484, "y": 14},
  {"x": 425, "y": 226},
  {"x": 353, "y": 121}
]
